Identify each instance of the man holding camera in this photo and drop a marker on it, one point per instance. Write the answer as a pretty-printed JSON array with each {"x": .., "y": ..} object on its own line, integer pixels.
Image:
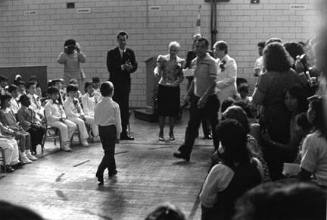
[
  {"x": 71, "y": 59},
  {"x": 121, "y": 63}
]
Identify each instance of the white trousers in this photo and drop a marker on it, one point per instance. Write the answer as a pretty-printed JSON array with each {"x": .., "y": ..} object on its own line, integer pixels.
[
  {"x": 66, "y": 129},
  {"x": 81, "y": 127},
  {"x": 11, "y": 151},
  {"x": 94, "y": 127}
]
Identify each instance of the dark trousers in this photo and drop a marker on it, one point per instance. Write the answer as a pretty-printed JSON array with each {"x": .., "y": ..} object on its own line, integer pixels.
[
  {"x": 37, "y": 133},
  {"x": 108, "y": 139},
  {"x": 209, "y": 112},
  {"x": 122, "y": 98}
]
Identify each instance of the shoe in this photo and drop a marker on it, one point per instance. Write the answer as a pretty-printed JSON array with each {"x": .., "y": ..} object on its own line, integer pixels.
[
  {"x": 24, "y": 159},
  {"x": 171, "y": 137},
  {"x": 85, "y": 143},
  {"x": 9, "y": 169},
  {"x": 182, "y": 156},
  {"x": 126, "y": 137},
  {"x": 113, "y": 173},
  {"x": 17, "y": 166},
  {"x": 30, "y": 156},
  {"x": 66, "y": 147},
  {"x": 100, "y": 179}
]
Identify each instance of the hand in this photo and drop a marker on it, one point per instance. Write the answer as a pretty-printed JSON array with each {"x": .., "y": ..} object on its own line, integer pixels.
[
  {"x": 299, "y": 67},
  {"x": 202, "y": 102}
]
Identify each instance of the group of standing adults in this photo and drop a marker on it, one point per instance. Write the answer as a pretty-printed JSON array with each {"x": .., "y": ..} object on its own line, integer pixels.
[{"x": 121, "y": 63}]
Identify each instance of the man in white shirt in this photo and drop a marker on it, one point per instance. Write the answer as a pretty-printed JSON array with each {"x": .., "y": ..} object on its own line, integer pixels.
[
  {"x": 258, "y": 65},
  {"x": 89, "y": 100},
  {"x": 75, "y": 112},
  {"x": 227, "y": 72}
]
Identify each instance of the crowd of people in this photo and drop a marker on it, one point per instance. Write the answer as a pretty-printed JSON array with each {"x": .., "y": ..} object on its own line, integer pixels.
[{"x": 255, "y": 137}]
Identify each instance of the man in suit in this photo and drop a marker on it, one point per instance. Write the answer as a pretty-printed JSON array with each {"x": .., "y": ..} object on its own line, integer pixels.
[{"x": 121, "y": 63}]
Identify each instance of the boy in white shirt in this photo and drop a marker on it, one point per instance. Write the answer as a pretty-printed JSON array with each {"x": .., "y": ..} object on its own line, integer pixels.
[
  {"x": 14, "y": 104},
  {"x": 56, "y": 117},
  {"x": 75, "y": 112},
  {"x": 89, "y": 100},
  {"x": 107, "y": 116},
  {"x": 35, "y": 100}
]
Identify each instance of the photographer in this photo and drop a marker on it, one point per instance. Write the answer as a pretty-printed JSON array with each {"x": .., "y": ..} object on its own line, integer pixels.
[{"x": 71, "y": 59}]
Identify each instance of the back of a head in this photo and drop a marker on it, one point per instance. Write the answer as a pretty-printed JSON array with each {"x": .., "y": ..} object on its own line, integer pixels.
[
  {"x": 166, "y": 212},
  {"x": 276, "y": 58},
  {"x": 71, "y": 88},
  {"x": 238, "y": 114},
  {"x": 273, "y": 40},
  {"x": 70, "y": 42},
  {"x": 106, "y": 89},
  {"x": 95, "y": 79},
  {"x": 9, "y": 211},
  {"x": 294, "y": 49},
  {"x": 282, "y": 201}
]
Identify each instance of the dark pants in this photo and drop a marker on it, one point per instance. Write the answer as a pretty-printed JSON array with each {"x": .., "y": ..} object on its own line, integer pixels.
[
  {"x": 37, "y": 132},
  {"x": 108, "y": 138},
  {"x": 122, "y": 98},
  {"x": 209, "y": 112}
]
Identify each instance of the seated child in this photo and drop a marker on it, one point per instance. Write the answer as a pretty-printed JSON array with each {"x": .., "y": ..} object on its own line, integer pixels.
[
  {"x": 24, "y": 140},
  {"x": 56, "y": 117},
  {"x": 89, "y": 101},
  {"x": 14, "y": 104},
  {"x": 75, "y": 112},
  {"x": 96, "y": 87},
  {"x": 35, "y": 100},
  {"x": 30, "y": 123}
]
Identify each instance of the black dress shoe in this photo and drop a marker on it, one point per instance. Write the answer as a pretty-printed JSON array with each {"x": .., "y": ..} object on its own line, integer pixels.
[
  {"x": 126, "y": 137},
  {"x": 100, "y": 179},
  {"x": 182, "y": 156},
  {"x": 17, "y": 166},
  {"x": 9, "y": 169},
  {"x": 112, "y": 173}
]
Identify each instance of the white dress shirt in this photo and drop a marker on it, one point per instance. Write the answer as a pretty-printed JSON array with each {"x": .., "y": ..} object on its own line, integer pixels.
[
  {"x": 226, "y": 83},
  {"x": 53, "y": 111},
  {"x": 107, "y": 113},
  {"x": 14, "y": 105},
  {"x": 73, "y": 110},
  {"x": 89, "y": 103}
]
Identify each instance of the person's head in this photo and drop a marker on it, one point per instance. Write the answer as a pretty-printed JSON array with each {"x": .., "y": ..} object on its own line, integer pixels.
[
  {"x": 38, "y": 90},
  {"x": 107, "y": 89},
  {"x": 72, "y": 90},
  {"x": 3, "y": 81},
  {"x": 53, "y": 93},
  {"x": 31, "y": 87},
  {"x": 282, "y": 201},
  {"x": 5, "y": 101},
  {"x": 295, "y": 100},
  {"x": 21, "y": 86},
  {"x": 202, "y": 46},
  {"x": 237, "y": 113},
  {"x": 33, "y": 78},
  {"x": 226, "y": 103},
  {"x": 233, "y": 139},
  {"x": 220, "y": 49},
  {"x": 58, "y": 83},
  {"x": 273, "y": 40},
  {"x": 14, "y": 212},
  {"x": 195, "y": 38},
  {"x": 18, "y": 77},
  {"x": 261, "y": 45},
  {"x": 122, "y": 39},
  {"x": 96, "y": 82},
  {"x": 13, "y": 90},
  {"x": 166, "y": 212},
  {"x": 25, "y": 100},
  {"x": 88, "y": 87},
  {"x": 276, "y": 58},
  {"x": 70, "y": 46},
  {"x": 73, "y": 82},
  {"x": 173, "y": 48},
  {"x": 316, "y": 114},
  {"x": 295, "y": 49},
  {"x": 243, "y": 90},
  {"x": 302, "y": 122}
]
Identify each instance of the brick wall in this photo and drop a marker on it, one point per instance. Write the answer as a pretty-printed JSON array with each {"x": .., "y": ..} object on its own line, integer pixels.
[{"x": 32, "y": 32}]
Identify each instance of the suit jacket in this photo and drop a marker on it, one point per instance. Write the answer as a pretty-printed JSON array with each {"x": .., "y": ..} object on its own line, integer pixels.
[
  {"x": 120, "y": 78},
  {"x": 26, "y": 117}
]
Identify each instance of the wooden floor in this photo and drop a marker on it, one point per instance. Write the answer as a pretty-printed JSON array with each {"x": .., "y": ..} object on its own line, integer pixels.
[{"x": 63, "y": 185}]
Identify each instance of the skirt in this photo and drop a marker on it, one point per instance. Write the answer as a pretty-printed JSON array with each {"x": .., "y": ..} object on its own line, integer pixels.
[{"x": 168, "y": 100}]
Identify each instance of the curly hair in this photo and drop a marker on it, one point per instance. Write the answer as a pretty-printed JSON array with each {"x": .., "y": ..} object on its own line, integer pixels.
[{"x": 276, "y": 58}]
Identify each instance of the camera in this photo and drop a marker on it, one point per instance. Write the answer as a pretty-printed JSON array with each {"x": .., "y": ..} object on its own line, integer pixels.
[{"x": 70, "y": 49}]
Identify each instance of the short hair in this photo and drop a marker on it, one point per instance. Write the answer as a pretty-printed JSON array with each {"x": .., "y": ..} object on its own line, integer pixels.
[
  {"x": 70, "y": 42},
  {"x": 3, "y": 98},
  {"x": 14, "y": 212},
  {"x": 122, "y": 33},
  {"x": 73, "y": 81},
  {"x": 166, "y": 212},
  {"x": 71, "y": 88},
  {"x": 12, "y": 88},
  {"x": 221, "y": 45},
  {"x": 226, "y": 103},
  {"x": 95, "y": 79},
  {"x": 261, "y": 44},
  {"x": 52, "y": 90},
  {"x": 243, "y": 88},
  {"x": 237, "y": 113},
  {"x": 206, "y": 42},
  {"x": 283, "y": 201},
  {"x": 174, "y": 43},
  {"x": 29, "y": 84},
  {"x": 276, "y": 58},
  {"x": 24, "y": 99},
  {"x": 294, "y": 49},
  {"x": 106, "y": 88},
  {"x": 87, "y": 84},
  {"x": 273, "y": 40}
]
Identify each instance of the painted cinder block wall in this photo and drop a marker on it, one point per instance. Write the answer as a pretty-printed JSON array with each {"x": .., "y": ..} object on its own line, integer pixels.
[{"x": 32, "y": 32}]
